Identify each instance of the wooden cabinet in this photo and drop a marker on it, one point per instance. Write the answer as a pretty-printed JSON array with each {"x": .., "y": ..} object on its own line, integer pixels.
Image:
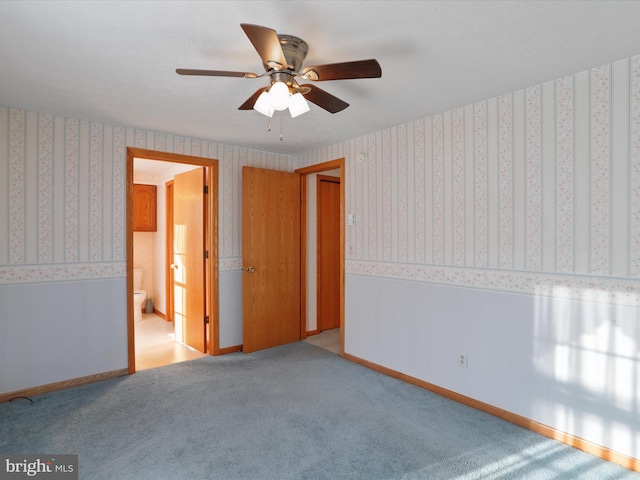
[{"x": 144, "y": 208}]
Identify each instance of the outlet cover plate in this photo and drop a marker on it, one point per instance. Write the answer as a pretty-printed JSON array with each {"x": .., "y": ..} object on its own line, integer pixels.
[{"x": 463, "y": 360}]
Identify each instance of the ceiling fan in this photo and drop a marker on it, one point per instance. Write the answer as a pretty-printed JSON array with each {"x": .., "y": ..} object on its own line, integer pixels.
[{"x": 282, "y": 57}]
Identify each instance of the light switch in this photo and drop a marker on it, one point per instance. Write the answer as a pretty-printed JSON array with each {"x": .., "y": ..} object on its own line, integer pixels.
[{"x": 351, "y": 219}]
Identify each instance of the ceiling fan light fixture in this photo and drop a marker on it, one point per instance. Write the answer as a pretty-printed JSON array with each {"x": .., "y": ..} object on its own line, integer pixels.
[
  {"x": 282, "y": 58},
  {"x": 279, "y": 96},
  {"x": 263, "y": 105},
  {"x": 298, "y": 105}
]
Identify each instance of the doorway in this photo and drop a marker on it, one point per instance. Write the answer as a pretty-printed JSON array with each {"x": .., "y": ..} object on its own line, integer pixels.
[
  {"x": 209, "y": 241},
  {"x": 332, "y": 338},
  {"x": 328, "y": 252},
  {"x": 254, "y": 319}
]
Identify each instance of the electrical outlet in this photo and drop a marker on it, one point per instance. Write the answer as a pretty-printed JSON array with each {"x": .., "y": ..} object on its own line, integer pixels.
[{"x": 462, "y": 360}]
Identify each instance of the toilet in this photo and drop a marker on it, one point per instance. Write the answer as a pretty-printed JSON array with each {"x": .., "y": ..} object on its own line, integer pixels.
[{"x": 139, "y": 295}]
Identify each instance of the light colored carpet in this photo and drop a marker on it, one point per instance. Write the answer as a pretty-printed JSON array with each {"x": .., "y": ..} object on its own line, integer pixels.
[{"x": 291, "y": 412}]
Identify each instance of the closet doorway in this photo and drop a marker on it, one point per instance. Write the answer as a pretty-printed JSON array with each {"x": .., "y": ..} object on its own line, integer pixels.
[
  {"x": 325, "y": 335},
  {"x": 328, "y": 252}
]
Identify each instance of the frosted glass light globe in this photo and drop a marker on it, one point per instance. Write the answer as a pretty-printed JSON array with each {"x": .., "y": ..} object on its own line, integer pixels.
[
  {"x": 279, "y": 96},
  {"x": 298, "y": 105}
]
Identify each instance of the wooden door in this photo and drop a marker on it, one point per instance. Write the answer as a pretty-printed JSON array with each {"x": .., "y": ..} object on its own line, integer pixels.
[
  {"x": 328, "y": 252},
  {"x": 169, "y": 270},
  {"x": 188, "y": 258},
  {"x": 270, "y": 258}
]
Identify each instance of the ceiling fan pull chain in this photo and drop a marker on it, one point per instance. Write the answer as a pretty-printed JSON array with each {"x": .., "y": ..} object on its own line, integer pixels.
[
  {"x": 269, "y": 125},
  {"x": 280, "y": 126}
]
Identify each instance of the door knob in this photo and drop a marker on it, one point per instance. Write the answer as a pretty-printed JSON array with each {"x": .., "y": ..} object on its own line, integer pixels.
[
  {"x": 174, "y": 266},
  {"x": 250, "y": 269}
]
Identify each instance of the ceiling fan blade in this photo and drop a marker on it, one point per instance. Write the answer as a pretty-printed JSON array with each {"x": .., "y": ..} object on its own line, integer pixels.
[
  {"x": 266, "y": 42},
  {"x": 343, "y": 71},
  {"x": 250, "y": 102},
  {"x": 215, "y": 73},
  {"x": 324, "y": 100}
]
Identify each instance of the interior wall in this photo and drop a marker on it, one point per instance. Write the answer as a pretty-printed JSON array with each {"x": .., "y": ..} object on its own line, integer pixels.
[
  {"x": 531, "y": 196},
  {"x": 145, "y": 245},
  {"x": 144, "y": 257},
  {"x": 508, "y": 231},
  {"x": 62, "y": 238}
]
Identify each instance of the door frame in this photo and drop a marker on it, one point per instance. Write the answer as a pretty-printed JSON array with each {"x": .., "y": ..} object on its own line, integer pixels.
[
  {"x": 304, "y": 171},
  {"x": 211, "y": 244}
]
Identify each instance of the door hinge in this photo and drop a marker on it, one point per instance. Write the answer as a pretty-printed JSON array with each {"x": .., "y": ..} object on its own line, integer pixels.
[
  {"x": 206, "y": 254},
  {"x": 206, "y": 319},
  {"x": 206, "y": 189}
]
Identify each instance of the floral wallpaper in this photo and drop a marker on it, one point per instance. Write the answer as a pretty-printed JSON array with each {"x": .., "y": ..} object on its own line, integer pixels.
[
  {"x": 535, "y": 190},
  {"x": 63, "y": 212},
  {"x": 540, "y": 183}
]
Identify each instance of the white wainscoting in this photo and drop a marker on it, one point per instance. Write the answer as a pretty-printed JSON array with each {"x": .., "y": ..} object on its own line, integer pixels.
[
  {"x": 230, "y": 294},
  {"x": 58, "y": 331},
  {"x": 571, "y": 364}
]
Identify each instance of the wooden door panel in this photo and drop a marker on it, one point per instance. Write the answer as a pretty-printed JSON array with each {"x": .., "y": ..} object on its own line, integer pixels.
[
  {"x": 188, "y": 241},
  {"x": 328, "y": 247},
  {"x": 270, "y": 258},
  {"x": 169, "y": 271}
]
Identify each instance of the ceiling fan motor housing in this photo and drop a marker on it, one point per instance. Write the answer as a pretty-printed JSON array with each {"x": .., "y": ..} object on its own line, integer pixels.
[{"x": 295, "y": 51}]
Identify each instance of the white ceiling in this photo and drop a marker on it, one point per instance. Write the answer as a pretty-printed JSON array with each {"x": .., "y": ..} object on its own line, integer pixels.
[{"x": 114, "y": 61}]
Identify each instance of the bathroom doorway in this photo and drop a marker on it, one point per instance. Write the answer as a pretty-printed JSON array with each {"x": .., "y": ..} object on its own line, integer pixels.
[{"x": 153, "y": 342}]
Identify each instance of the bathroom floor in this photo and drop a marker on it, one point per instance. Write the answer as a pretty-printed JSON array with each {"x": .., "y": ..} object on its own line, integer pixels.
[
  {"x": 156, "y": 347},
  {"x": 155, "y": 344}
]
